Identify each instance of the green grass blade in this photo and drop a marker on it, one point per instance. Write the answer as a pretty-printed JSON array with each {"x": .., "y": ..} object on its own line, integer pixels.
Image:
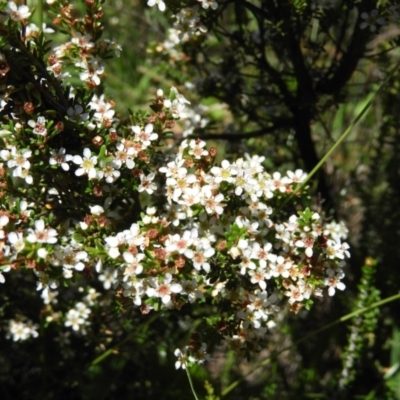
[
  {"x": 347, "y": 131},
  {"x": 191, "y": 383}
]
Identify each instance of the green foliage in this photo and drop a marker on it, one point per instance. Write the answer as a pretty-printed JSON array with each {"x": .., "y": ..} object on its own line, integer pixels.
[{"x": 361, "y": 337}]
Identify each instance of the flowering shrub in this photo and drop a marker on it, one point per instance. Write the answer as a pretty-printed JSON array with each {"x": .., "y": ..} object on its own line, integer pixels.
[{"x": 97, "y": 207}]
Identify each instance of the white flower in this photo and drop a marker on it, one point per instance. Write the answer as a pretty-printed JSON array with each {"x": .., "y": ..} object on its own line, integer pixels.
[
  {"x": 177, "y": 186},
  {"x": 190, "y": 289},
  {"x": 188, "y": 23},
  {"x": 124, "y": 155},
  {"x": 279, "y": 183},
  {"x": 213, "y": 204},
  {"x": 209, "y": 3},
  {"x": 109, "y": 171},
  {"x": 251, "y": 317},
  {"x": 42, "y": 253},
  {"x": 165, "y": 289},
  {"x": 181, "y": 362},
  {"x": 295, "y": 293},
  {"x": 333, "y": 250},
  {"x": 178, "y": 96},
  {"x": 333, "y": 282},
  {"x": 177, "y": 109},
  {"x": 133, "y": 266},
  {"x": 338, "y": 231},
  {"x": 86, "y": 164},
  {"x": 44, "y": 280},
  {"x": 133, "y": 288},
  {"x": 24, "y": 174},
  {"x": 200, "y": 355},
  {"x": 225, "y": 173},
  {"x": 196, "y": 149},
  {"x": 74, "y": 320},
  {"x": 16, "y": 159},
  {"x": 92, "y": 69},
  {"x": 160, "y": 3},
  {"x": 297, "y": 176},
  {"x": 76, "y": 114},
  {"x": 174, "y": 169},
  {"x": 71, "y": 259},
  {"x": 83, "y": 309},
  {"x": 147, "y": 184},
  {"x": 83, "y": 41},
  {"x": 39, "y": 127},
  {"x": 200, "y": 258},
  {"x": 151, "y": 211},
  {"x": 16, "y": 240},
  {"x": 105, "y": 116},
  {"x": 372, "y": 20},
  {"x": 33, "y": 28},
  {"x": 90, "y": 298},
  {"x": 145, "y": 136},
  {"x": 17, "y": 13},
  {"x": 262, "y": 253},
  {"x": 133, "y": 236},
  {"x": 4, "y": 132},
  {"x": 113, "y": 242},
  {"x": 281, "y": 267},
  {"x": 96, "y": 210},
  {"x": 259, "y": 276},
  {"x": 246, "y": 262},
  {"x": 108, "y": 277},
  {"x": 60, "y": 158},
  {"x": 4, "y": 220},
  {"x": 49, "y": 296},
  {"x": 179, "y": 243},
  {"x": 42, "y": 234},
  {"x": 19, "y": 330},
  {"x": 308, "y": 243}
]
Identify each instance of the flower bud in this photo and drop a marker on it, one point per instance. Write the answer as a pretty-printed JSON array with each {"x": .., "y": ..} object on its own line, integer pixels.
[
  {"x": 98, "y": 141},
  {"x": 29, "y": 108}
]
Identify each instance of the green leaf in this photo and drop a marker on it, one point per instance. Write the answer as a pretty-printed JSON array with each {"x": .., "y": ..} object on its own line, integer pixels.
[{"x": 102, "y": 152}]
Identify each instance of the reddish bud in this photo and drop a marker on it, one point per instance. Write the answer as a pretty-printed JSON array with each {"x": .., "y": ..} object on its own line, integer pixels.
[
  {"x": 98, "y": 141},
  {"x": 170, "y": 124},
  {"x": 98, "y": 191},
  {"x": 180, "y": 262},
  {"x": 29, "y": 108},
  {"x": 151, "y": 119},
  {"x": 212, "y": 151},
  {"x": 60, "y": 126},
  {"x": 113, "y": 136},
  {"x": 189, "y": 162}
]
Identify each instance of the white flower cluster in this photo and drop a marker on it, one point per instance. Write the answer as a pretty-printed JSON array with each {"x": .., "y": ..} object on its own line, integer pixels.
[
  {"x": 77, "y": 317},
  {"x": 198, "y": 354},
  {"x": 17, "y": 13},
  {"x": 206, "y": 4},
  {"x": 196, "y": 233},
  {"x": 210, "y": 233},
  {"x": 218, "y": 218},
  {"x": 17, "y": 160},
  {"x": 85, "y": 54},
  {"x": 375, "y": 20},
  {"x": 21, "y": 329},
  {"x": 187, "y": 23}
]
